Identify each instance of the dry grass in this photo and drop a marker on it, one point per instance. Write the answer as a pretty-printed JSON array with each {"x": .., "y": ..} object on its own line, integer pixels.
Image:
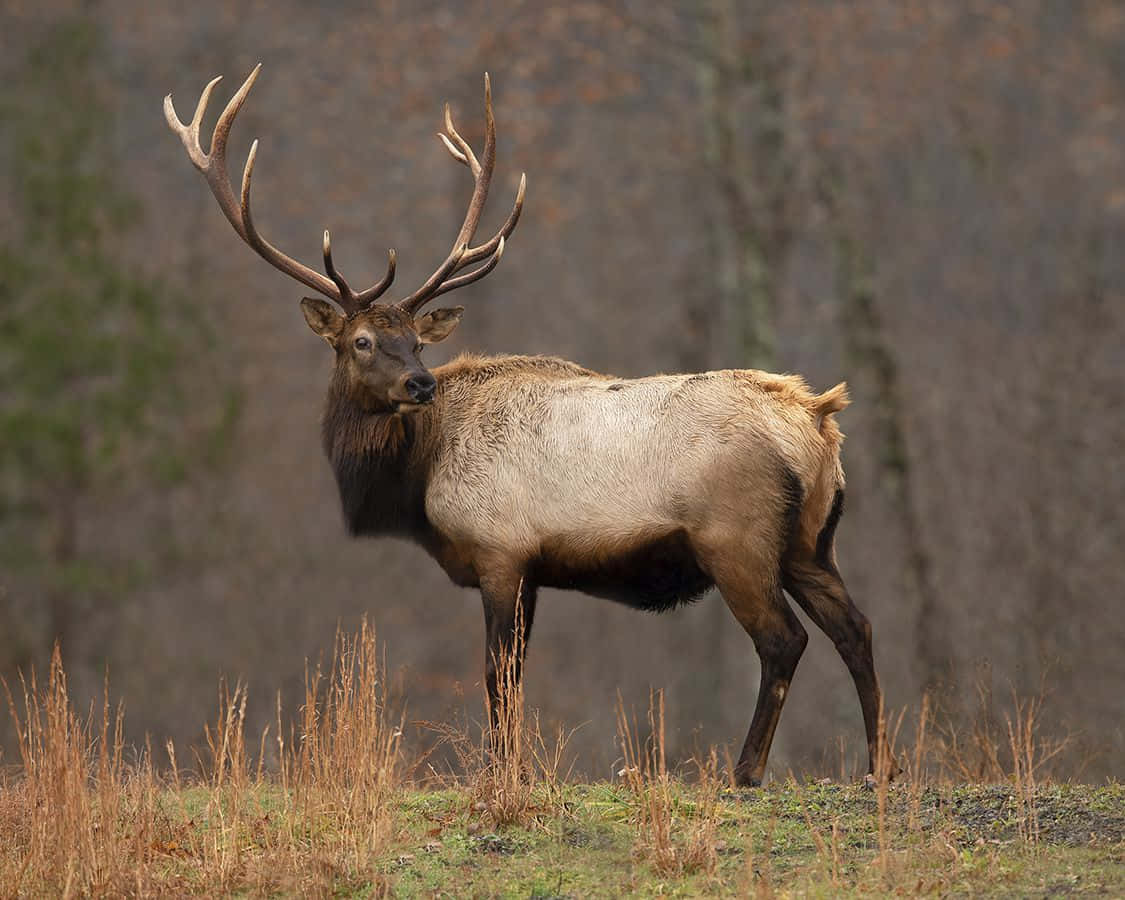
[
  {"x": 978, "y": 746},
  {"x": 504, "y": 782},
  {"x": 512, "y": 773},
  {"x": 945, "y": 758},
  {"x": 994, "y": 747},
  {"x": 86, "y": 818},
  {"x": 346, "y": 762},
  {"x": 89, "y": 822},
  {"x": 324, "y": 805},
  {"x": 675, "y": 834}
]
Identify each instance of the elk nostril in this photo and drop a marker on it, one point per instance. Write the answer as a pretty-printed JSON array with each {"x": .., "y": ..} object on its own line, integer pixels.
[{"x": 421, "y": 387}]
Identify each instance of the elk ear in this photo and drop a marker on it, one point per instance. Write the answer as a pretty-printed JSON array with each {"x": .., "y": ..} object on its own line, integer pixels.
[
  {"x": 438, "y": 324},
  {"x": 323, "y": 318}
]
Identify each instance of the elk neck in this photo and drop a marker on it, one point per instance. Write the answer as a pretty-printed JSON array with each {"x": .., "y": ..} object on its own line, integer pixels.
[{"x": 381, "y": 461}]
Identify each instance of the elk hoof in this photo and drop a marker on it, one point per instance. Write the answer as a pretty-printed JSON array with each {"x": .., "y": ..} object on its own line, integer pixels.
[{"x": 743, "y": 780}]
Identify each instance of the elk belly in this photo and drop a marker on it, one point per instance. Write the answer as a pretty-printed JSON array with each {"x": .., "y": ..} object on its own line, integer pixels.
[{"x": 650, "y": 572}]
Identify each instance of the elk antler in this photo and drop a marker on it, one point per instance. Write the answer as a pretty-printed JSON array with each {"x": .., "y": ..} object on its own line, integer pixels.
[
  {"x": 213, "y": 165},
  {"x": 462, "y": 254}
]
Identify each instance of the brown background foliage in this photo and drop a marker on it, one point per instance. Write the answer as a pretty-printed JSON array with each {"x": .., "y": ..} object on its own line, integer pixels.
[{"x": 923, "y": 198}]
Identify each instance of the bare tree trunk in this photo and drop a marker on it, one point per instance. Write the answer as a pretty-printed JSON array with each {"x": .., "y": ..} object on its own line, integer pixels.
[
  {"x": 753, "y": 173},
  {"x": 723, "y": 296},
  {"x": 749, "y": 234},
  {"x": 866, "y": 345}
]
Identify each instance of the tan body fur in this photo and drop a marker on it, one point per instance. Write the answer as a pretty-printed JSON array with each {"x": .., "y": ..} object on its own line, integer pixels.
[{"x": 534, "y": 454}]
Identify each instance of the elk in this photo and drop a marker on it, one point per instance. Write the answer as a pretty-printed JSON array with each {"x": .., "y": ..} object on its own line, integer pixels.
[{"x": 520, "y": 472}]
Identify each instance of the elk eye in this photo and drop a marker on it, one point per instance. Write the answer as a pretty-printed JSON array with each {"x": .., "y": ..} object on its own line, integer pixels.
[
  {"x": 418, "y": 347},
  {"x": 362, "y": 343}
]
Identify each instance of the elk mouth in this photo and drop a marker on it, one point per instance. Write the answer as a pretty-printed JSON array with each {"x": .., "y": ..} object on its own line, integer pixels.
[{"x": 409, "y": 406}]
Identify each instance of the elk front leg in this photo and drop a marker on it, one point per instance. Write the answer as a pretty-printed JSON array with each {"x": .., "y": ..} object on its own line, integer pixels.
[{"x": 509, "y": 608}]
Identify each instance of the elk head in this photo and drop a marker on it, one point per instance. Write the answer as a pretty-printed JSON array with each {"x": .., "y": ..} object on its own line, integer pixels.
[{"x": 378, "y": 345}]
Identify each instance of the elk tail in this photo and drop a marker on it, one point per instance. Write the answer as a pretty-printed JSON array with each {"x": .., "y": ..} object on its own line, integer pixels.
[{"x": 831, "y": 401}]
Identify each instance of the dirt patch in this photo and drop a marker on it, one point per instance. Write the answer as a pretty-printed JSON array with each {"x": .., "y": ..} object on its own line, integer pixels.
[
  {"x": 588, "y": 838},
  {"x": 495, "y": 843},
  {"x": 1066, "y": 816}
]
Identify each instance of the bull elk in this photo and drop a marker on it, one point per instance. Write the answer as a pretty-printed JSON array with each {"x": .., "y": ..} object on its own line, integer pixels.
[{"x": 516, "y": 472}]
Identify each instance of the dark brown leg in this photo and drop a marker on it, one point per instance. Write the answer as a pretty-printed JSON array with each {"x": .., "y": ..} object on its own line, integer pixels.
[
  {"x": 819, "y": 590},
  {"x": 780, "y": 640},
  {"x": 499, "y": 594}
]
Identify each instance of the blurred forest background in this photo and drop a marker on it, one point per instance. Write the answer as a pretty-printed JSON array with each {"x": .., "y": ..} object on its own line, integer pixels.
[{"x": 924, "y": 198}]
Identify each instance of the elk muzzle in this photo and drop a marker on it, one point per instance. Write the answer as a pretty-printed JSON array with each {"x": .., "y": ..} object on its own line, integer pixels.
[{"x": 421, "y": 387}]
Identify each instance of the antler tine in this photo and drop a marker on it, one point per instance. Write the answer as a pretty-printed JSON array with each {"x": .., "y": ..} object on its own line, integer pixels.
[
  {"x": 482, "y": 172},
  {"x": 470, "y": 277},
  {"x": 429, "y": 290},
  {"x": 333, "y": 273},
  {"x": 457, "y": 146},
  {"x": 475, "y": 254},
  {"x": 481, "y": 169},
  {"x": 356, "y": 301},
  {"x": 189, "y": 134},
  {"x": 373, "y": 293},
  {"x": 213, "y": 166},
  {"x": 365, "y": 298}
]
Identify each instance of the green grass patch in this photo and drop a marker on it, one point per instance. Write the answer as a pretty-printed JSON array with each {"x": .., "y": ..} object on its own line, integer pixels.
[{"x": 818, "y": 840}]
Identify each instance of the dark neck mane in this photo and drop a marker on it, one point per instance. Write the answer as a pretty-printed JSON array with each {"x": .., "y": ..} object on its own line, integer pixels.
[
  {"x": 377, "y": 459},
  {"x": 382, "y": 460}
]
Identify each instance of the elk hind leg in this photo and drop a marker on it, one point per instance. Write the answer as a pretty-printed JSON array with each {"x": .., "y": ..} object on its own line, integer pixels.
[
  {"x": 816, "y": 585},
  {"x": 780, "y": 640}
]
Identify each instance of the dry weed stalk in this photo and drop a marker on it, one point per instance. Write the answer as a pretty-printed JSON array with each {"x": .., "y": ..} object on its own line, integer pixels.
[
  {"x": 550, "y": 769},
  {"x": 646, "y": 773},
  {"x": 87, "y": 819},
  {"x": 699, "y": 851},
  {"x": 346, "y": 764},
  {"x": 885, "y": 770},
  {"x": 83, "y": 819},
  {"x": 916, "y": 776},
  {"x": 1021, "y": 737},
  {"x": 228, "y": 779},
  {"x": 504, "y": 784},
  {"x": 514, "y": 772},
  {"x": 1030, "y": 753}
]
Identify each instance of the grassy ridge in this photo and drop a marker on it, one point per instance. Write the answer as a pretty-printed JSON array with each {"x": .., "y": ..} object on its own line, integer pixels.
[
  {"x": 819, "y": 840},
  {"x": 786, "y": 839},
  {"x": 336, "y": 813}
]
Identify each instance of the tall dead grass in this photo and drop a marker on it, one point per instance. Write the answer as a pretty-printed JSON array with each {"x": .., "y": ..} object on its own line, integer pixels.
[
  {"x": 514, "y": 772},
  {"x": 311, "y": 807},
  {"x": 1005, "y": 745},
  {"x": 1001, "y": 747},
  {"x": 83, "y": 818},
  {"x": 993, "y": 745},
  {"x": 346, "y": 761},
  {"x": 677, "y": 828},
  {"x": 915, "y": 840}
]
